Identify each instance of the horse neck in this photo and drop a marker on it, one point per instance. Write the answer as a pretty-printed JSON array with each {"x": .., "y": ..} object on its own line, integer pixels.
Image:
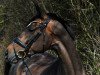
[{"x": 67, "y": 50}]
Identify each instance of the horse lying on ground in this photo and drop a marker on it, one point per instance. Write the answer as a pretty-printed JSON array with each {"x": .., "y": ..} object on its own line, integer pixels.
[{"x": 42, "y": 33}]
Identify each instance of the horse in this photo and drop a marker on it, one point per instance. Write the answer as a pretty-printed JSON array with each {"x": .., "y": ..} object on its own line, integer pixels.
[{"x": 43, "y": 33}]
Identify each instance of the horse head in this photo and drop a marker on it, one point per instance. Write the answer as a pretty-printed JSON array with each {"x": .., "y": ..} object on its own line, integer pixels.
[{"x": 37, "y": 37}]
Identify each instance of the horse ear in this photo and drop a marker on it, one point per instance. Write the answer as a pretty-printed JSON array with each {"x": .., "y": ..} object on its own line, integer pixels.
[{"x": 37, "y": 8}]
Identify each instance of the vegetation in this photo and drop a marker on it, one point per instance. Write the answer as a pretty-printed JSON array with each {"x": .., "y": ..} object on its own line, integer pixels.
[{"x": 82, "y": 15}]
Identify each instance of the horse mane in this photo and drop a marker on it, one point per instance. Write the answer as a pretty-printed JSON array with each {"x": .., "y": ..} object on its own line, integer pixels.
[{"x": 65, "y": 24}]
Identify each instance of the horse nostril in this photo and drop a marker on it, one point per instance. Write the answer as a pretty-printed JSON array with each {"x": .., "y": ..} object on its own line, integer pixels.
[{"x": 27, "y": 42}]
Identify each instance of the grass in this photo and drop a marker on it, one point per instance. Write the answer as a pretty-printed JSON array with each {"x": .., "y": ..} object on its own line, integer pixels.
[
  {"x": 86, "y": 15},
  {"x": 1, "y": 62}
]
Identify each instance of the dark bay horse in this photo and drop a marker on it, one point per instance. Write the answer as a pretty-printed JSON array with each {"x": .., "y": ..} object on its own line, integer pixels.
[
  {"x": 42, "y": 33},
  {"x": 53, "y": 35}
]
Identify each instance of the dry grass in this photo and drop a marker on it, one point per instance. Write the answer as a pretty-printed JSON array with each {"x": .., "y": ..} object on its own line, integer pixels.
[
  {"x": 85, "y": 13},
  {"x": 1, "y": 61}
]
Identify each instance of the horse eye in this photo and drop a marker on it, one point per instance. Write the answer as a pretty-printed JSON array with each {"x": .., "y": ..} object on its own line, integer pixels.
[{"x": 32, "y": 25}]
